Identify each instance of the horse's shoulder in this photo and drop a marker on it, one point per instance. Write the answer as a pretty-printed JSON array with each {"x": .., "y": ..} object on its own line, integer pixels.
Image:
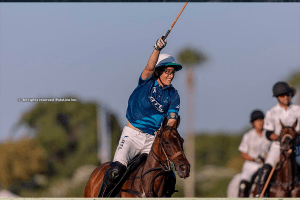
[{"x": 98, "y": 170}]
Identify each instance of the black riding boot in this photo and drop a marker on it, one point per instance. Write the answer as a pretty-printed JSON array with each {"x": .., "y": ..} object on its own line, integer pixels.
[
  {"x": 263, "y": 175},
  {"x": 244, "y": 188},
  {"x": 111, "y": 177}
]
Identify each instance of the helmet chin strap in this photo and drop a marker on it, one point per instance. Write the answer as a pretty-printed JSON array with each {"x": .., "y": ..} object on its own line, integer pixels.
[
  {"x": 161, "y": 82},
  {"x": 159, "y": 74}
]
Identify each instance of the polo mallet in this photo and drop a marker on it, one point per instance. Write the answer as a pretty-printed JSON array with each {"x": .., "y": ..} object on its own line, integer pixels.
[
  {"x": 165, "y": 36},
  {"x": 269, "y": 178}
]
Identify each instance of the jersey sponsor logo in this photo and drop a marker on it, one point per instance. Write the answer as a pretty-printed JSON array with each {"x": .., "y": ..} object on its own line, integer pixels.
[{"x": 157, "y": 105}]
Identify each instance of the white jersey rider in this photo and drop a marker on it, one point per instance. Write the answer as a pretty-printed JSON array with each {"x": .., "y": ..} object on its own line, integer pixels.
[
  {"x": 153, "y": 99},
  {"x": 287, "y": 113},
  {"x": 254, "y": 148}
]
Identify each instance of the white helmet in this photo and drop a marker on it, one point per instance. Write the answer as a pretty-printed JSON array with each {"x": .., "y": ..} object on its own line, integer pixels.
[{"x": 165, "y": 59}]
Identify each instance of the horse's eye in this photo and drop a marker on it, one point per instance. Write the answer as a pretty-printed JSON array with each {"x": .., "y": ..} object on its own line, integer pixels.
[{"x": 167, "y": 142}]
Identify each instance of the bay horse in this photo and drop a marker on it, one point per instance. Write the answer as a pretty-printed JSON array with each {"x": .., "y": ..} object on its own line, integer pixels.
[
  {"x": 284, "y": 182},
  {"x": 151, "y": 178}
]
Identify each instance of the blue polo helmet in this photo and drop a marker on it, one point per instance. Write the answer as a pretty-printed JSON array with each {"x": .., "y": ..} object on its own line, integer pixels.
[{"x": 166, "y": 60}]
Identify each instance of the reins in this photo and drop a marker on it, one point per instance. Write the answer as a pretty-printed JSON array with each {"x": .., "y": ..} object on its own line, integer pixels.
[{"x": 167, "y": 164}]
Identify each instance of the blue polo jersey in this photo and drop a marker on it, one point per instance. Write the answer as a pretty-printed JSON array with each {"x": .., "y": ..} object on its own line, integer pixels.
[{"x": 149, "y": 103}]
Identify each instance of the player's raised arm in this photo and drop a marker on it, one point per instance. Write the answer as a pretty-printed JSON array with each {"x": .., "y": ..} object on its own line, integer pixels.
[{"x": 150, "y": 67}]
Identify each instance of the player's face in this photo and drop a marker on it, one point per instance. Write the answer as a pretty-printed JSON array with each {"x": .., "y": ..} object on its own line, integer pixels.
[
  {"x": 285, "y": 99},
  {"x": 258, "y": 124},
  {"x": 167, "y": 76}
]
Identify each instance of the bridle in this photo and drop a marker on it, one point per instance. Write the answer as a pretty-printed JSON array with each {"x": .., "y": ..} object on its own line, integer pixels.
[
  {"x": 282, "y": 139},
  {"x": 286, "y": 136},
  {"x": 166, "y": 166}
]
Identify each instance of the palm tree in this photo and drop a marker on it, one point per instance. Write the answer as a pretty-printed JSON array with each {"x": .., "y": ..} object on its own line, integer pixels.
[
  {"x": 190, "y": 58},
  {"x": 294, "y": 81}
]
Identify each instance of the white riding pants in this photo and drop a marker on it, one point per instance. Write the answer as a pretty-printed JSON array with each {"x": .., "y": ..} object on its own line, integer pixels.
[
  {"x": 273, "y": 154},
  {"x": 249, "y": 168},
  {"x": 131, "y": 143}
]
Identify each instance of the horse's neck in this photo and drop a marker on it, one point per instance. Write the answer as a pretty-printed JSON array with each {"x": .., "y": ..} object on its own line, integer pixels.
[
  {"x": 285, "y": 173},
  {"x": 151, "y": 161}
]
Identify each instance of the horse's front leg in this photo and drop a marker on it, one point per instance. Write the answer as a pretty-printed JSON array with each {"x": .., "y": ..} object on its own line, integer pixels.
[
  {"x": 277, "y": 191},
  {"x": 296, "y": 191}
]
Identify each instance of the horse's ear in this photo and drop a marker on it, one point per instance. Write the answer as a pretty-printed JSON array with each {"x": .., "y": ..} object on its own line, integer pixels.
[
  {"x": 295, "y": 123},
  {"x": 165, "y": 122},
  {"x": 281, "y": 123}
]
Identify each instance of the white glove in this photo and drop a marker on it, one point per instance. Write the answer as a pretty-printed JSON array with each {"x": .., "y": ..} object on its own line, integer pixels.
[{"x": 160, "y": 43}]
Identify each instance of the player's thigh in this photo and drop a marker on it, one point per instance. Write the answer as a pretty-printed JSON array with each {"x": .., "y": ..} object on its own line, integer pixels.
[
  {"x": 128, "y": 146},
  {"x": 148, "y": 143},
  {"x": 249, "y": 169}
]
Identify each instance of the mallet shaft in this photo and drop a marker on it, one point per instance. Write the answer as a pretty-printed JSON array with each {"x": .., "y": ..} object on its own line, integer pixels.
[{"x": 175, "y": 20}]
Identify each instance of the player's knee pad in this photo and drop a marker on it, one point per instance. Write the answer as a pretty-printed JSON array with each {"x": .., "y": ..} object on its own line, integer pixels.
[
  {"x": 116, "y": 170},
  {"x": 244, "y": 188},
  {"x": 244, "y": 185},
  {"x": 266, "y": 169},
  {"x": 111, "y": 177}
]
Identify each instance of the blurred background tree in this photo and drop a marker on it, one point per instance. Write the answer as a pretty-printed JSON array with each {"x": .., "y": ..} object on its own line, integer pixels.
[
  {"x": 20, "y": 161},
  {"x": 63, "y": 138},
  {"x": 67, "y": 131},
  {"x": 190, "y": 58}
]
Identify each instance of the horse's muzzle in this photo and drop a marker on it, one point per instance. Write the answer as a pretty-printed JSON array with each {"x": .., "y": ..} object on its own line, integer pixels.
[
  {"x": 183, "y": 170},
  {"x": 287, "y": 145}
]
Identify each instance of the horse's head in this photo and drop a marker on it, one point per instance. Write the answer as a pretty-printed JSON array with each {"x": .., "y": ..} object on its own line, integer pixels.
[
  {"x": 171, "y": 145},
  {"x": 287, "y": 135}
]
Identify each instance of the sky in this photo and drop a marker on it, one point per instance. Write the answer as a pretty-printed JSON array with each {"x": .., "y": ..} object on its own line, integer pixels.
[{"x": 97, "y": 51}]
